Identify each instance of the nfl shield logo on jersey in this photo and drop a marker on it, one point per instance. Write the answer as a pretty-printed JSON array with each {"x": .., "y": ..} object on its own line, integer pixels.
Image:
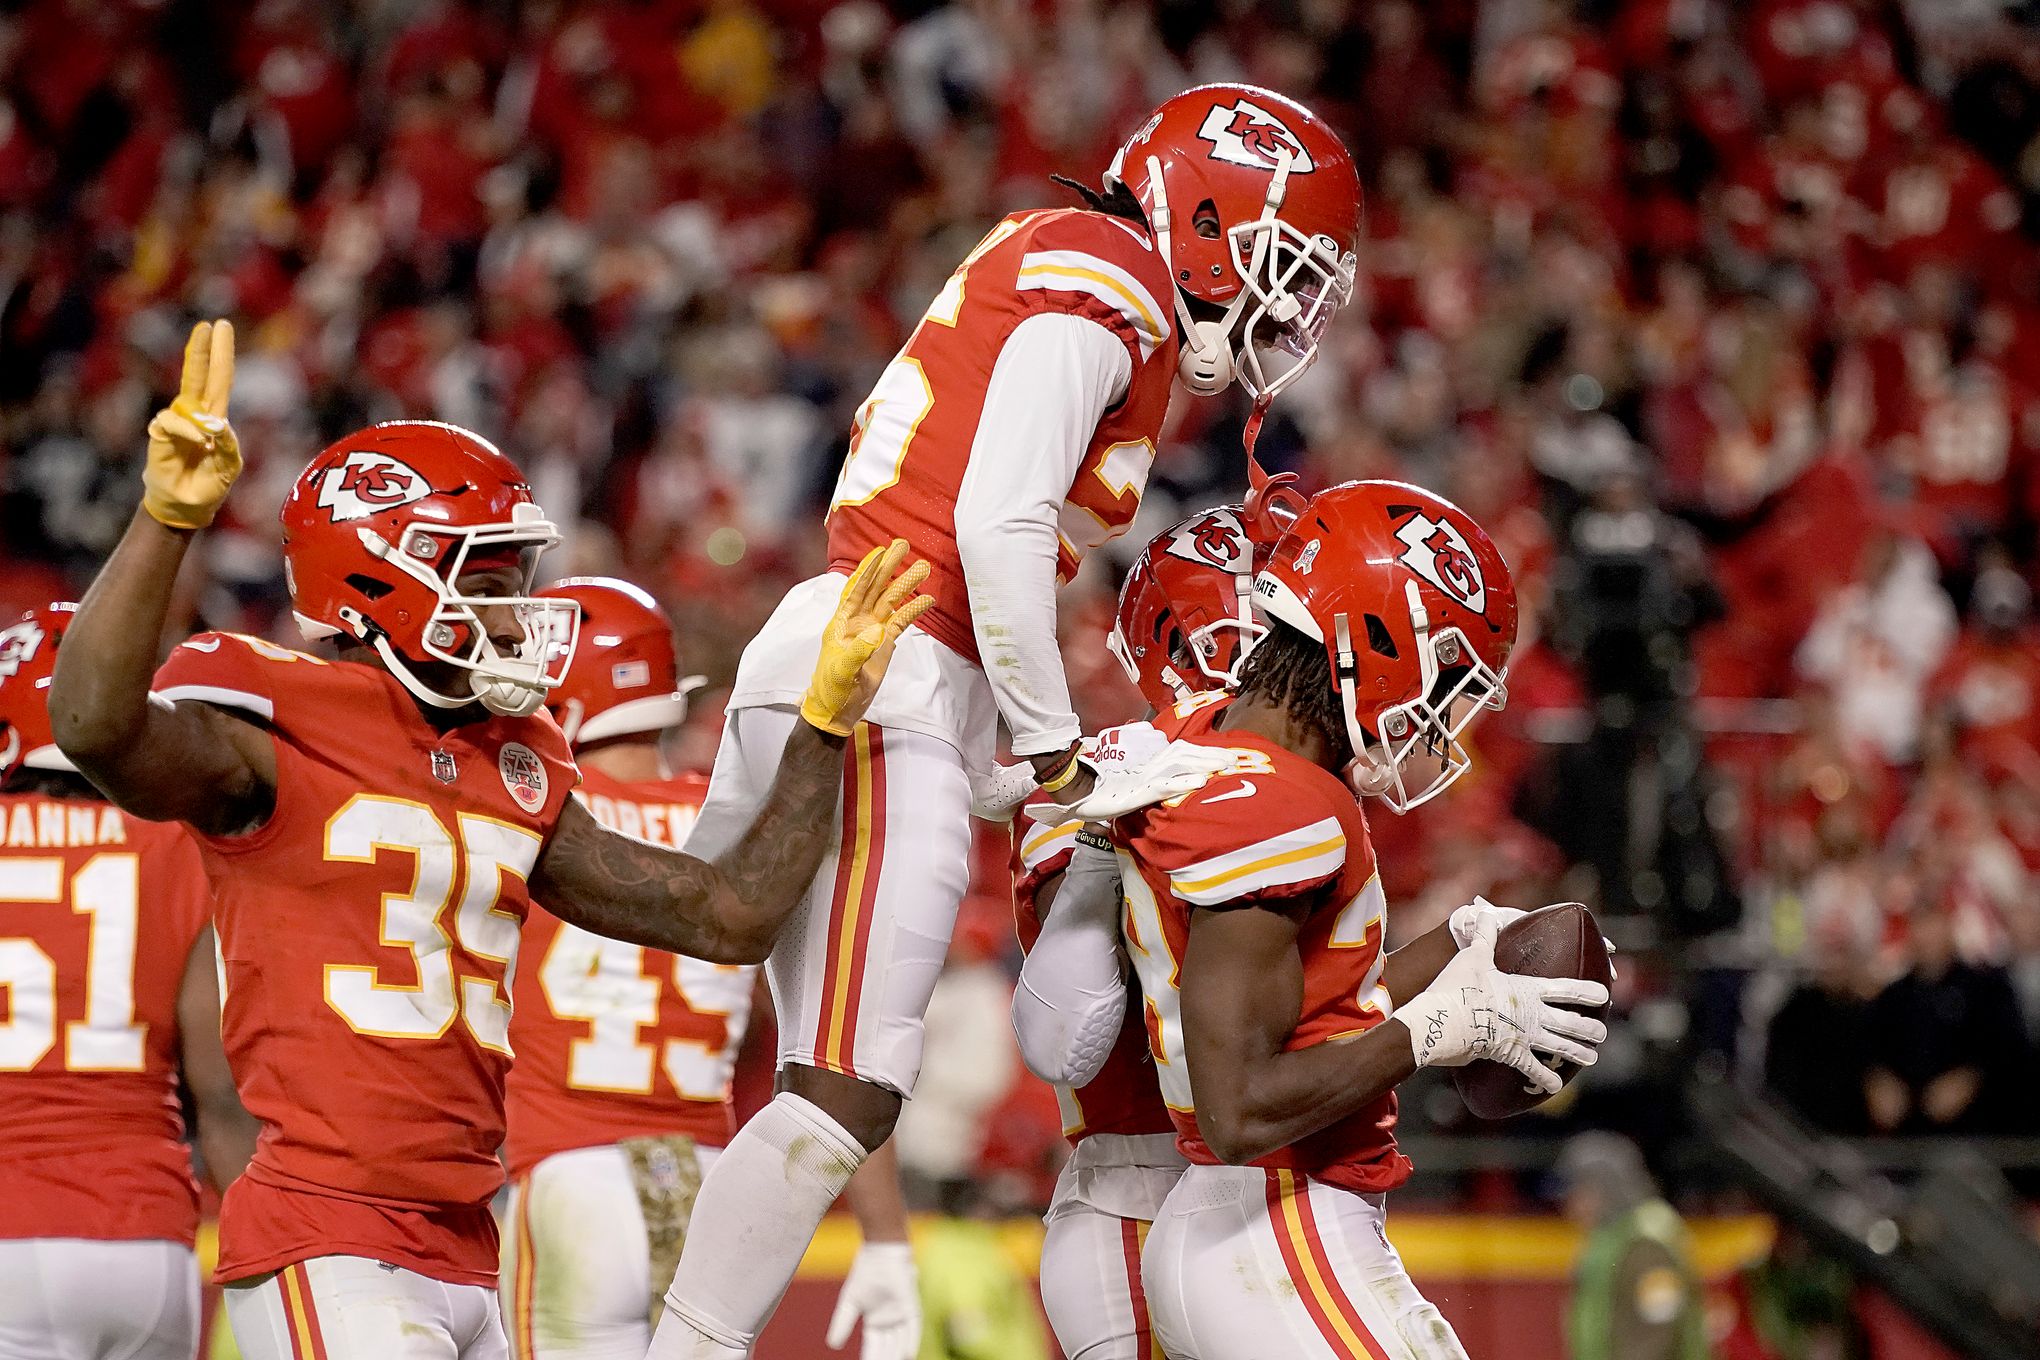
[
  {"x": 523, "y": 775},
  {"x": 442, "y": 767},
  {"x": 367, "y": 483}
]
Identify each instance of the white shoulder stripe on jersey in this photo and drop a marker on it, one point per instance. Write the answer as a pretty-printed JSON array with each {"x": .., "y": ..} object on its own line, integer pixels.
[
  {"x": 1296, "y": 856},
  {"x": 1078, "y": 271},
  {"x": 222, "y": 698},
  {"x": 1045, "y": 842}
]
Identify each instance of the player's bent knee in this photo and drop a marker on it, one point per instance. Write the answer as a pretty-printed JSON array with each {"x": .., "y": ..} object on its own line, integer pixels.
[{"x": 867, "y": 1112}]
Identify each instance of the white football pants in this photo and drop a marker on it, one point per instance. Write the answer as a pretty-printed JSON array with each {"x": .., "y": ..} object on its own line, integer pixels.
[
  {"x": 71, "y": 1298},
  {"x": 352, "y": 1308},
  {"x": 576, "y": 1262},
  {"x": 857, "y": 961},
  {"x": 1250, "y": 1264},
  {"x": 1107, "y": 1196}
]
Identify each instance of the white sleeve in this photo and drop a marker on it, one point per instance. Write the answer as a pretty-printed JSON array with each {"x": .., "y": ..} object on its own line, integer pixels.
[
  {"x": 1054, "y": 380},
  {"x": 1071, "y": 997}
]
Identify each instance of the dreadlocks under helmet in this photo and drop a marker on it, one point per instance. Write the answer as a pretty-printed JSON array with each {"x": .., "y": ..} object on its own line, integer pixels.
[{"x": 1292, "y": 672}]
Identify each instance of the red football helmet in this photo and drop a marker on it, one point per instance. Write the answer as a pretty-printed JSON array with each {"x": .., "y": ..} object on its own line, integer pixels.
[
  {"x": 624, "y": 677},
  {"x": 28, "y": 655},
  {"x": 377, "y": 533},
  {"x": 1416, "y": 609},
  {"x": 1255, "y": 205},
  {"x": 1186, "y": 604}
]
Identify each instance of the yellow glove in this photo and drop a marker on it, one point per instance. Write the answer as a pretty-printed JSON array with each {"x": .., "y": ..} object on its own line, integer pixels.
[
  {"x": 869, "y": 619},
  {"x": 193, "y": 454}
]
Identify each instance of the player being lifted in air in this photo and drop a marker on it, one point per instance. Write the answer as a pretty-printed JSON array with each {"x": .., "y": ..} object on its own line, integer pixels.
[
  {"x": 620, "y": 1095},
  {"x": 1184, "y": 625},
  {"x": 1011, "y": 435},
  {"x": 374, "y": 829},
  {"x": 1254, "y": 919},
  {"x": 106, "y": 958}
]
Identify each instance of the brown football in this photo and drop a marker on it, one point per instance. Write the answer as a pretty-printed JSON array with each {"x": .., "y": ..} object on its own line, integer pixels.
[{"x": 1559, "y": 941}]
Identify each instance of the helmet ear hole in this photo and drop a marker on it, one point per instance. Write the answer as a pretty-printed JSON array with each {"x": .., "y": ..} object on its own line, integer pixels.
[
  {"x": 1379, "y": 638},
  {"x": 1205, "y": 221},
  {"x": 369, "y": 587}
]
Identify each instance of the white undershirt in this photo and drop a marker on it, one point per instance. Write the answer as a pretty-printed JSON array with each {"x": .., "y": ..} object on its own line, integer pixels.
[{"x": 1055, "y": 379}]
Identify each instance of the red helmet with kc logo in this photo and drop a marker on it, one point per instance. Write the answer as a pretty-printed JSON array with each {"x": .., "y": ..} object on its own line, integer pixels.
[
  {"x": 1255, "y": 204},
  {"x": 1417, "y": 613},
  {"x": 1185, "y": 620},
  {"x": 624, "y": 677},
  {"x": 380, "y": 531},
  {"x": 28, "y": 657}
]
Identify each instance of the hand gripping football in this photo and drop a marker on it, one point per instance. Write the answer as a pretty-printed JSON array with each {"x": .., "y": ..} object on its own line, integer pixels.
[{"x": 1554, "y": 942}]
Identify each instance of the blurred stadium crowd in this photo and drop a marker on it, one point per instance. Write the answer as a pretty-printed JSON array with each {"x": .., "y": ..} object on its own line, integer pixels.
[{"x": 1723, "y": 317}]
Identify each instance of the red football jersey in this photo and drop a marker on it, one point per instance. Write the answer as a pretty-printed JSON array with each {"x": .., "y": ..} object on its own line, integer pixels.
[
  {"x": 98, "y": 915},
  {"x": 914, "y": 433},
  {"x": 1124, "y": 1097},
  {"x": 614, "y": 1040},
  {"x": 1273, "y": 828},
  {"x": 368, "y": 931}
]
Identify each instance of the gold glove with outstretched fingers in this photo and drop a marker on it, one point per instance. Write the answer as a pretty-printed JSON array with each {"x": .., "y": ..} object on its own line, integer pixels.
[
  {"x": 193, "y": 454},
  {"x": 874, "y": 611}
]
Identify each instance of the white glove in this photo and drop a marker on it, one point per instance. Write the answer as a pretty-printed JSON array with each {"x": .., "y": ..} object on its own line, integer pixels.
[
  {"x": 1178, "y": 768},
  {"x": 883, "y": 1289},
  {"x": 1474, "y": 1010},
  {"x": 1482, "y": 917},
  {"x": 996, "y": 792},
  {"x": 1477, "y": 917}
]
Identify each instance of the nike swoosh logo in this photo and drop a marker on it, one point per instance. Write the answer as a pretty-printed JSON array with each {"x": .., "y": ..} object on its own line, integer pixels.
[
  {"x": 1245, "y": 790},
  {"x": 198, "y": 646}
]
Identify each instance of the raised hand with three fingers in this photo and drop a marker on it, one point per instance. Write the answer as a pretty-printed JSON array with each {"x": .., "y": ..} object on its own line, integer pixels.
[{"x": 194, "y": 455}]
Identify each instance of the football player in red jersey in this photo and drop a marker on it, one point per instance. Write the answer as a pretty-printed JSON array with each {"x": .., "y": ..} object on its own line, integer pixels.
[
  {"x": 1184, "y": 624},
  {"x": 1011, "y": 435},
  {"x": 1254, "y": 918},
  {"x": 106, "y": 957},
  {"x": 620, "y": 1096},
  {"x": 375, "y": 827}
]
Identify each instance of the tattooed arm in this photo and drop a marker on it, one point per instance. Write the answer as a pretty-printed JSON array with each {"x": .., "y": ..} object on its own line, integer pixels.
[
  {"x": 730, "y": 910},
  {"x": 727, "y": 910}
]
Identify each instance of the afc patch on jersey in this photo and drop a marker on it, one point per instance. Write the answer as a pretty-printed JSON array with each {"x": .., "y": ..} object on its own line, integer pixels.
[
  {"x": 523, "y": 775},
  {"x": 367, "y": 483},
  {"x": 1244, "y": 133},
  {"x": 1439, "y": 553},
  {"x": 1214, "y": 539}
]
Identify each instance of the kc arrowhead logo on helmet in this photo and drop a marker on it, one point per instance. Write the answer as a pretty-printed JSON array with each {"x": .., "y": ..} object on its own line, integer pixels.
[
  {"x": 18, "y": 646},
  {"x": 1438, "y": 552},
  {"x": 366, "y": 483},
  {"x": 1244, "y": 133},
  {"x": 1215, "y": 539}
]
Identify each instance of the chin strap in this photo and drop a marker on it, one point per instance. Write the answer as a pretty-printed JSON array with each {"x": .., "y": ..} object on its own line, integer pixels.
[
  {"x": 502, "y": 697},
  {"x": 1368, "y": 777}
]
